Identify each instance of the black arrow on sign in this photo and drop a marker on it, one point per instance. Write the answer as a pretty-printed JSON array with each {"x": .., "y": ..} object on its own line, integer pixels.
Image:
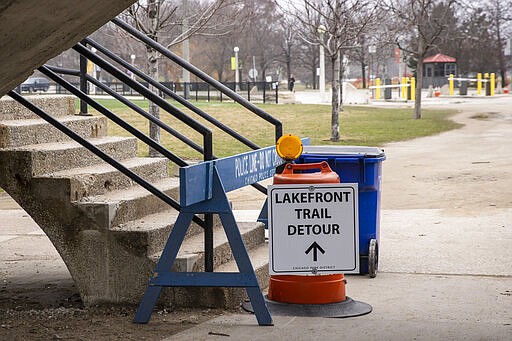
[{"x": 315, "y": 247}]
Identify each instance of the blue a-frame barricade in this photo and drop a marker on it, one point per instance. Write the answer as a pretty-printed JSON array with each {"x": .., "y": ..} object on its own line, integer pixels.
[{"x": 203, "y": 189}]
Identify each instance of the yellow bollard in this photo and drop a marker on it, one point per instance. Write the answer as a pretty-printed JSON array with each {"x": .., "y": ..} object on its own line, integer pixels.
[
  {"x": 451, "y": 84},
  {"x": 487, "y": 88},
  {"x": 403, "y": 91},
  {"x": 479, "y": 83},
  {"x": 377, "y": 89},
  {"x": 413, "y": 88},
  {"x": 493, "y": 80}
]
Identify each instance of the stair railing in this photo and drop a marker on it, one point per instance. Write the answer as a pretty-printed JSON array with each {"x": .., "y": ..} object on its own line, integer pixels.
[
  {"x": 202, "y": 75},
  {"x": 85, "y": 99}
]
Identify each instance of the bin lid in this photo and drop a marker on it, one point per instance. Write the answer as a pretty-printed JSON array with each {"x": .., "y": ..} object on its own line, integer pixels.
[{"x": 370, "y": 152}]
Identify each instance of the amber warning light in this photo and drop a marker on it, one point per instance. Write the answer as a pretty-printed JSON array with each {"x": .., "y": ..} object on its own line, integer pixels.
[{"x": 289, "y": 147}]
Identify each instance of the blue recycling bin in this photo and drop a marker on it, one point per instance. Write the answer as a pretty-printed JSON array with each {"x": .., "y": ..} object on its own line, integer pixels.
[{"x": 361, "y": 165}]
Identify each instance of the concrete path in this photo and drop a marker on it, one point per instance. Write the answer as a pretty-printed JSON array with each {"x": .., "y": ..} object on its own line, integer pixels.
[{"x": 445, "y": 262}]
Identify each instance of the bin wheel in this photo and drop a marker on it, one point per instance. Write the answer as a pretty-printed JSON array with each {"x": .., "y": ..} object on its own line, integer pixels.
[{"x": 373, "y": 258}]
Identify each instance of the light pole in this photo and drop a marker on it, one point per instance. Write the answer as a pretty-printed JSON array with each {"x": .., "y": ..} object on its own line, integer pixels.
[
  {"x": 371, "y": 50},
  {"x": 132, "y": 57},
  {"x": 321, "y": 30},
  {"x": 237, "y": 80},
  {"x": 93, "y": 87}
]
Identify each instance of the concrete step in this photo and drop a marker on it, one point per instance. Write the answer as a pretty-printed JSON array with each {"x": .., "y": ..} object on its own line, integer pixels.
[
  {"x": 147, "y": 236},
  {"x": 190, "y": 258},
  {"x": 119, "y": 207},
  {"x": 54, "y": 105},
  {"x": 16, "y": 133},
  {"x": 51, "y": 157},
  {"x": 77, "y": 183},
  {"x": 259, "y": 260},
  {"x": 229, "y": 298}
]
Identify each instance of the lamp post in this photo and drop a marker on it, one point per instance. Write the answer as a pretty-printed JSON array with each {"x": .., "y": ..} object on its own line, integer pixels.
[
  {"x": 321, "y": 30},
  {"x": 237, "y": 80},
  {"x": 371, "y": 50},
  {"x": 93, "y": 87},
  {"x": 132, "y": 57}
]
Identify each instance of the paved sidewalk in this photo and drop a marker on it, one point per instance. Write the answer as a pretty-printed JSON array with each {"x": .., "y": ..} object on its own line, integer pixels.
[
  {"x": 445, "y": 262},
  {"x": 446, "y": 230}
]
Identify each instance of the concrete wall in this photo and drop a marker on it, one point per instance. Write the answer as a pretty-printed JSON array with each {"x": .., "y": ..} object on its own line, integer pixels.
[{"x": 34, "y": 31}]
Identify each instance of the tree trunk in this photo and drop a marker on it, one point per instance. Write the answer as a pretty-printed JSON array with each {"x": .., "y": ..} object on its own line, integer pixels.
[
  {"x": 288, "y": 66},
  {"x": 313, "y": 72},
  {"x": 363, "y": 72},
  {"x": 342, "y": 72},
  {"x": 154, "y": 110},
  {"x": 419, "y": 79},
  {"x": 335, "y": 123}
]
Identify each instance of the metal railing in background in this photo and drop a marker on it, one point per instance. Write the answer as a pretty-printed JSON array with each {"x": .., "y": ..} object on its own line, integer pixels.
[{"x": 255, "y": 92}]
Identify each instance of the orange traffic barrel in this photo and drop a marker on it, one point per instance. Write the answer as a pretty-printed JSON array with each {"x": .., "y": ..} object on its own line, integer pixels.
[{"x": 307, "y": 289}]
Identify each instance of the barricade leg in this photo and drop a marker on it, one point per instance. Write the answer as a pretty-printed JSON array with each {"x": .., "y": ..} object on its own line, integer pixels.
[{"x": 171, "y": 249}]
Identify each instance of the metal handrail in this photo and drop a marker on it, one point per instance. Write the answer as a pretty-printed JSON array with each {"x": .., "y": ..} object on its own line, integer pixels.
[
  {"x": 202, "y": 75},
  {"x": 132, "y": 106},
  {"x": 116, "y": 72},
  {"x": 172, "y": 94},
  {"x": 206, "y": 150},
  {"x": 152, "y": 143},
  {"x": 91, "y": 147}
]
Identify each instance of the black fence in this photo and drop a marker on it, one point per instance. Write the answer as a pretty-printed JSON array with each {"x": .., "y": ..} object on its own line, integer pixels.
[{"x": 260, "y": 92}]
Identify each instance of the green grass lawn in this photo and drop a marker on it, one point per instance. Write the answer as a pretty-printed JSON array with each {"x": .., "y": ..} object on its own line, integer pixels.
[{"x": 358, "y": 125}]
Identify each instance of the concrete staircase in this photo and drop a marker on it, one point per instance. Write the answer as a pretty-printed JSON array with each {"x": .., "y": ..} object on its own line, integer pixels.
[{"x": 108, "y": 230}]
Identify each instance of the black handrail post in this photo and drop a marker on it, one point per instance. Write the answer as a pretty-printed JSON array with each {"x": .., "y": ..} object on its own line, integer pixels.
[
  {"x": 83, "y": 85},
  {"x": 208, "y": 217},
  {"x": 208, "y": 242},
  {"x": 208, "y": 93}
]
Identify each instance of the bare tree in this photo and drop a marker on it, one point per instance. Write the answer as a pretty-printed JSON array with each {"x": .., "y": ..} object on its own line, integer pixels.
[
  {"x": 307, "y": 55},
  {"x": 260, "y": 40},
  {"x": 423, "y": 23},
  {"x": 214, "y": 54},
  {"x": 289, "y": 40},
  {"x": 475, "y": 35},
  {"x": 169, "y": 23},
  {"x": 336, "y": 25},
  {"x": 501, "y": 16}
]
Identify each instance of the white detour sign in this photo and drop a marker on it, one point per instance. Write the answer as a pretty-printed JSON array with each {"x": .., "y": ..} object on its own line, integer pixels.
[{"x": 313, "y": 229}]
